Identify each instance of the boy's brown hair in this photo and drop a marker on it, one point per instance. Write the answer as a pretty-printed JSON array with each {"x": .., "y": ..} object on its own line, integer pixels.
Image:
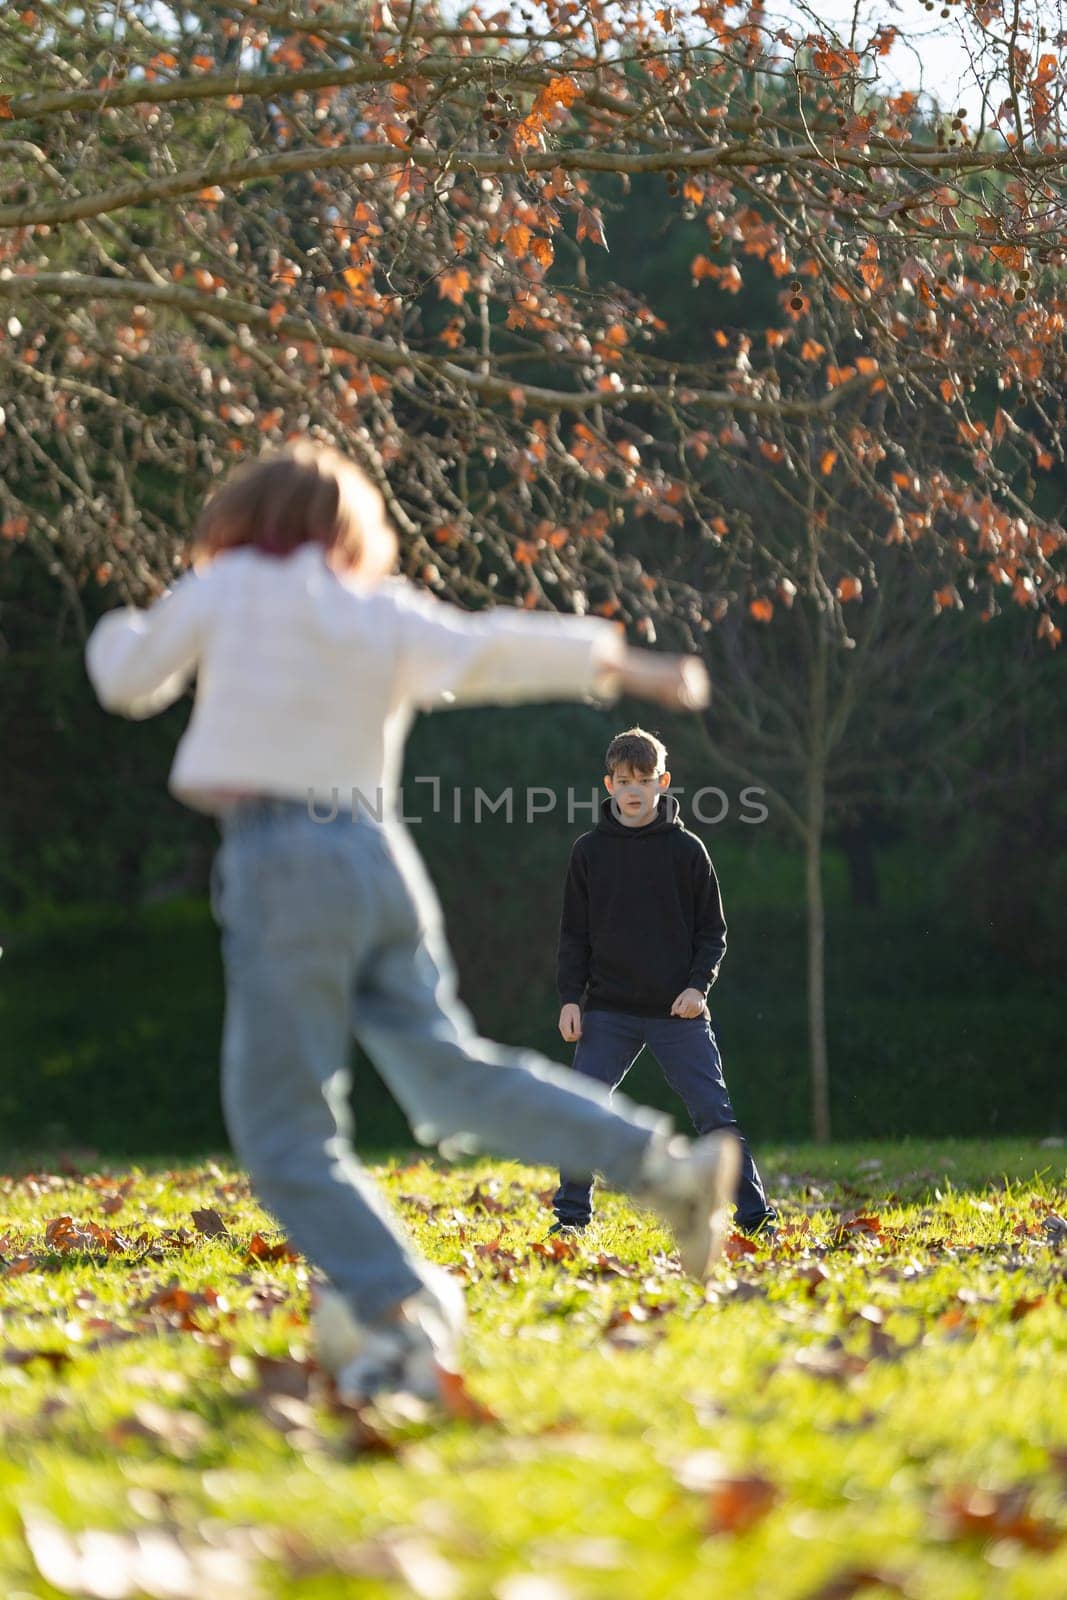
[
  {"x": 305, "y": 493},
  {"x": 637, "y": 749}
]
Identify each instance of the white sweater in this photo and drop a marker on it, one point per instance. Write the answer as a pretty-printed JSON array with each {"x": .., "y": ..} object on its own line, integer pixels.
[{"x": 307, "y": 684}]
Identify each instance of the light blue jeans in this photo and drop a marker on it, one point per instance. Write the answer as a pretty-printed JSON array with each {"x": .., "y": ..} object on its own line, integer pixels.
[{"x": 333, "y": 928}]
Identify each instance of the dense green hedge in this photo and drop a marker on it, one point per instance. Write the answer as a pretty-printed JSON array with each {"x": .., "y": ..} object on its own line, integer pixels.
[{"x": 111, "y": 1019}]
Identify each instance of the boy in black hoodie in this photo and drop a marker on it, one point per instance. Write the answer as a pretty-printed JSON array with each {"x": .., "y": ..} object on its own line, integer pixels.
[{"x": 641, "y": 938}]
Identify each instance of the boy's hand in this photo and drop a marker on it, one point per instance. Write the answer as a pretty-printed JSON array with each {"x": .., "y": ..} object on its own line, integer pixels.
[
  {"x": 570, "y": 1022},
  {"x": 679, "y": 682},
  {"x": 690, "y": 1003}
]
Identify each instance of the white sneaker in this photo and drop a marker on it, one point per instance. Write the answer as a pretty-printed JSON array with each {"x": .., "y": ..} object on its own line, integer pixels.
[
  {"x": 407, "y": 1355},
  {"x": 692, "y": 1187}
]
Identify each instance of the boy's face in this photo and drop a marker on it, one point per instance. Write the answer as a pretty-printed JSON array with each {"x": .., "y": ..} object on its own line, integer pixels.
[{"x": 636, "y": 794}]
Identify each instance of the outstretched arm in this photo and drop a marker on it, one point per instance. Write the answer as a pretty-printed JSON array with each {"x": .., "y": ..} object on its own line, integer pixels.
[
  {"x": 447, "y": 656},
  {"x": 140, "y": 661}
]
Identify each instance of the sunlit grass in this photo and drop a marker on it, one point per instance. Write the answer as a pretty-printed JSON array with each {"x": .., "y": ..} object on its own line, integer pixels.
[{"x": 879, "y": 1393}]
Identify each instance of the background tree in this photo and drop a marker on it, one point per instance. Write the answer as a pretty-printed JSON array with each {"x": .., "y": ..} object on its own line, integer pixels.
[{"x": 226, "y": 222}]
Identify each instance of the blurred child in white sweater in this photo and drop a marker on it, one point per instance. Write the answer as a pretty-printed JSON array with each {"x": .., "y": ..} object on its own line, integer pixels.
[{"x": 311, "y": 661}]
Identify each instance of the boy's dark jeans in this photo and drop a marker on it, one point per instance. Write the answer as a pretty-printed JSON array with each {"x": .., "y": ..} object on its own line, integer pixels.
[{"x": 686, "y": 1049}]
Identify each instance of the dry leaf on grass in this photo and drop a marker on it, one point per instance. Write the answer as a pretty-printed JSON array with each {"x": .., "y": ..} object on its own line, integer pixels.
[
  {"x": 735, "y": 1501},
  {"x": 208, "y": 1223},
  {"x": 854, "y": 1580},
  {"x": 967, "y": 1512}
]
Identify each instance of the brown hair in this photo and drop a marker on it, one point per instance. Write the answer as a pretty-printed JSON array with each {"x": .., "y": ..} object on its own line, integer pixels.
[
  {"x": 306, "y": 493},
  {"x": 637, "y": 749}
]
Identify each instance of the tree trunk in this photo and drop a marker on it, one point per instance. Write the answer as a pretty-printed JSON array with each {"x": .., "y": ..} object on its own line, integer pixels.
[
  {"x": 815, "y": 832},
  {"x": 818, "y": 1057}
]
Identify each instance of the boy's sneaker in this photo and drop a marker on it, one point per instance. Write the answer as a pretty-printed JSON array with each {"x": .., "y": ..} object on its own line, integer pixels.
[
  {"x": 692, "y": 1187},
  {"x": 566, "y": 1230},
  {"x": 412, "y": 1354}
]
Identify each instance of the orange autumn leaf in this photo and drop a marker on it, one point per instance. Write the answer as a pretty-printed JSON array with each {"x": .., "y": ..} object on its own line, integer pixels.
[
  {"x": 735, "y": 1504},
  {"x": 458, "y": 1401},
  {"x": 543, "y": 252},
  {"x": 260, "y": 1249},
  {"x": 518, "y": 237},
  {"x": 833, "y": 63},
  {"x": 762, "y": 610},
  {"x": 591, "y": 227},
  {"x": 454, "y": 285},
  {"x": 848, "y": 589},
  {"x": 826, "y": 464},
  {"x": 561, "y": 91},
  {"x": 977, "y": 1513},
  {"x": 869, "y": 269},
  {"x": 529, "y": 131}
]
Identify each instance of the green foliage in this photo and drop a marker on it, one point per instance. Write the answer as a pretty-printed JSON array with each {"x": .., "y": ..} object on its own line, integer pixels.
[
  {"x": 871, "y": 1394},
  {"x": 114, "y": 1019}
]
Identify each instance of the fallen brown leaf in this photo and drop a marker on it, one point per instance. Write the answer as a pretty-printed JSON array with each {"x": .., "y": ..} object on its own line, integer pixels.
[
  {"x": 967, "y": 1512},
  {"x": 57, "y": 1359},
  {"x": 210, "y": 1224},
  {"x": 854, "y": 1579},
  {"x": 555, "y": 1249},
  {"x": 458, "y": 1400},
  {"x": 736, "y": 1504},
  {"x": 261, "y": 1249},
  {"x": 1023, "y": 1307}
]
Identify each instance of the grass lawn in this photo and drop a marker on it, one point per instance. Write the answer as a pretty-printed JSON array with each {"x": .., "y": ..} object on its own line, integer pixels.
[{"x": 873, "y": 1405}]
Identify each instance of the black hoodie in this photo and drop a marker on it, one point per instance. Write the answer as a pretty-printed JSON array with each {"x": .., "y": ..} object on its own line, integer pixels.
[{"x": 642, "y": 916}]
